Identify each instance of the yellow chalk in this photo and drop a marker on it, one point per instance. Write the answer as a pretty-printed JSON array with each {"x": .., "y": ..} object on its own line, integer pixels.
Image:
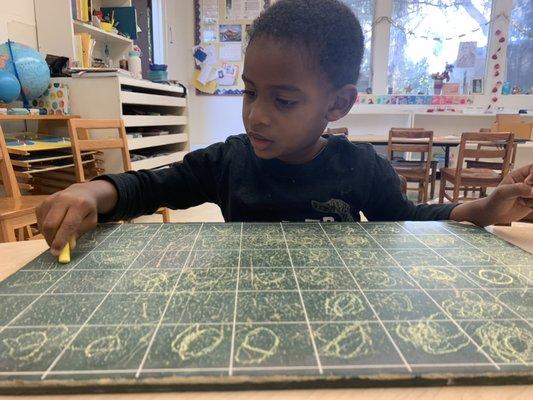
[{"x": 64, "y": 256}]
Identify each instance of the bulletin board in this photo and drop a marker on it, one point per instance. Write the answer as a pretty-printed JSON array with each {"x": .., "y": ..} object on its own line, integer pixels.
[{"x": 220, "y": 40}]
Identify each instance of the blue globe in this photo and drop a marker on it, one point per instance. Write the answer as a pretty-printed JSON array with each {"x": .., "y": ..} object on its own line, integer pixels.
[
  {"x": 9, "y": 87},
  {"x": 33, "y": 72}
]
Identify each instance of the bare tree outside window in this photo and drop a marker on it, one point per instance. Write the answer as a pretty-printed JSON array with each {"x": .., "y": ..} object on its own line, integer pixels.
[
  {"x": 412, "y": 58},
  {"x": 520, "y": 46},
  {"x": 364, "y": 10}
]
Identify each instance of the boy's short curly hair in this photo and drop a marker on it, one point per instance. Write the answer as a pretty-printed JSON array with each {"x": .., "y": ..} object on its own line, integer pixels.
[{"x": 328, "y": 29}]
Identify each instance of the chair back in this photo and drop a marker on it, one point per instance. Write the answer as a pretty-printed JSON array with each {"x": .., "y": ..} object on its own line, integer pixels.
[
  {"x": 411, "y": 141},
  {"x": 7, "y": 173},
  {"x": 490, "y": 150},
  {"x": 81, "y": 140}
]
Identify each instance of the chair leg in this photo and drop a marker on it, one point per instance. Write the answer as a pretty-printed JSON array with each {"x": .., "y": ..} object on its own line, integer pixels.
[
  {"x": 7, "y": 233},
  {"x": 166, "y": 215},
  {"x": 442, "y": 189},
  {"x": 433, "y": 182},
  {"x": 456, "y": 189}
]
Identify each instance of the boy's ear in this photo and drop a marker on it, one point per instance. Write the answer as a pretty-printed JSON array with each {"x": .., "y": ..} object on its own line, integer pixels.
[{"x": 342, "y": 101}]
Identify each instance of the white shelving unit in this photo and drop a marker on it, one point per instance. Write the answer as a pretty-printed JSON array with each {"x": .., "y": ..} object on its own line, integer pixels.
[
  {"x": 119, "y": 97},
  {"x": 378, "y": 119},
  {"x": 100, "y": 34},
  {"x": 56, "y": 29}
]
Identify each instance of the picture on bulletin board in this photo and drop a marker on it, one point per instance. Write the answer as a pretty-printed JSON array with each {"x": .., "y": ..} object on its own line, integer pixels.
[
  {"x": 220, "y": 40},
  {"x": 230, "y": 33}
]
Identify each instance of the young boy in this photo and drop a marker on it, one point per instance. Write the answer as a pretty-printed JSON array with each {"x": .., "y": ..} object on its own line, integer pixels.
[{"x": 301, "y": 67}]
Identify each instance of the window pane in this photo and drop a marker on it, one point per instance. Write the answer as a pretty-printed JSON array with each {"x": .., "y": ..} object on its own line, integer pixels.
[
  {"x": 520, "y": 46},
  {"x": 364, "y": 10},
  {"x": 413, "y": 58}
]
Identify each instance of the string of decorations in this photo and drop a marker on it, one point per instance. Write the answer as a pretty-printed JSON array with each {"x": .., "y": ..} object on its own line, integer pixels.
[{"x": 409, "y": 32}]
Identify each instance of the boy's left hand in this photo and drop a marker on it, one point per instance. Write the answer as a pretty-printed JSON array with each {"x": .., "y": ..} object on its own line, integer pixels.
[{"x": 512, "y": 199}]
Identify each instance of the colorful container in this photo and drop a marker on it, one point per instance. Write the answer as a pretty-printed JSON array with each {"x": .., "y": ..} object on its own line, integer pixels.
[{"x": 55, "y": 100}]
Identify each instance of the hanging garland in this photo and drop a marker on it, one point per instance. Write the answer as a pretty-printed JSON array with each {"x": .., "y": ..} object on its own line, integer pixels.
[{"x": 382, "y": 19}]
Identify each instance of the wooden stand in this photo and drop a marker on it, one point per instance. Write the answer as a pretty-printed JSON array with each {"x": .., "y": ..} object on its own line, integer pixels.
[{"x": 48, "y": 180}]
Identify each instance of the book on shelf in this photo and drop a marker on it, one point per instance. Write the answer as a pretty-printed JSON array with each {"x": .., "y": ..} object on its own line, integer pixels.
[
  {"x": 86, "y": 10},
  {"x": 87, "y": 45}
]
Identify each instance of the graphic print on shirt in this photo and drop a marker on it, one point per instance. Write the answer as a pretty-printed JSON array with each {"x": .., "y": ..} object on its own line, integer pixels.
[{"x": 335, "y": 206}]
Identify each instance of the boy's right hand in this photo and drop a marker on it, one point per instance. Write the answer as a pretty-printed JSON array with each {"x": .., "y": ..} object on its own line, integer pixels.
[{"x": 70, "y": 213}]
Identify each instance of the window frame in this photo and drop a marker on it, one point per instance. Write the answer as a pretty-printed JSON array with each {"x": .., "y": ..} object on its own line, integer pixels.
[{"x": 381, "y": 42}]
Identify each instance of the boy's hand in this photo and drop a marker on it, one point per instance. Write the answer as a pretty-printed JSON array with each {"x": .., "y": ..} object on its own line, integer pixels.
[
  {"x": 70, "y": 213},
  {"x": 510, "y": 201}
]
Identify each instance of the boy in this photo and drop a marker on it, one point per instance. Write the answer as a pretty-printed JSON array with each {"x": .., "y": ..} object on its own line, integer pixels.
[{"x": 301, "y": 66}]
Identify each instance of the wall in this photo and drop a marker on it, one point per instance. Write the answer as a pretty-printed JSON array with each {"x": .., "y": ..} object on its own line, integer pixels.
[
  {"x": 17, "y": 22},
  {"x": 214, "y": 118},
  {"x": 211, "y": 118}
]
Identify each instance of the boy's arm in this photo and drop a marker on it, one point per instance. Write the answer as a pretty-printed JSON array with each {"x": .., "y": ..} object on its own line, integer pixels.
[
  {"x": 511, "y": 201},
  {"x": 70, "y": 213},
  {"x": 386, "y": 202},
  {"x": 182, "y": 185}
]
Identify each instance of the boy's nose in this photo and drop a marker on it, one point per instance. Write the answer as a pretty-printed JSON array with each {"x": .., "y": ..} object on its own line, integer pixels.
[{"x": 259, "y": 115}]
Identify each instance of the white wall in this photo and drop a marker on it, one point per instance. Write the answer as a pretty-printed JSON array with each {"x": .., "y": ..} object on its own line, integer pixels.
[
  {"x": 17, "y": 22},
  {"x": 211, "y": 118}
]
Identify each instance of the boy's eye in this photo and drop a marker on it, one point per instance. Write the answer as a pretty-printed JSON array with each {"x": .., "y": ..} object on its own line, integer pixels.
[
  {"x": 286, "y": 103},
  {"x": 249, "y": 93}
]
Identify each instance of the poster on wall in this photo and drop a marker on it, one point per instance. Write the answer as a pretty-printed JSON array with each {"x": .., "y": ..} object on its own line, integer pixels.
[
  {"x": 220, "y": 37},
  {"x": 466, "y": 56},
  {"x": 243, "y": 9}
]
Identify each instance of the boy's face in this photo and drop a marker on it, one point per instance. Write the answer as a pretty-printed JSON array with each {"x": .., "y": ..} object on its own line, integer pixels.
[{"x": 286, "y": 102}]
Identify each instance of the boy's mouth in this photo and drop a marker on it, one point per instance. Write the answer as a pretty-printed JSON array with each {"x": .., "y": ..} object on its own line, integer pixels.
[{"x": 259, "y": 142}]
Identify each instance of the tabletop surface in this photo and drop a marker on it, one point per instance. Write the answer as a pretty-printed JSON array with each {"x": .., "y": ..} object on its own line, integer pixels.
[
  {"x": 378, "y": 139},
  {"x": 259, "y": 305}
]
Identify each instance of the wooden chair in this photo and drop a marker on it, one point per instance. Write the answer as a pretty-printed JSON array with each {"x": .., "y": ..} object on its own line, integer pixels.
[
  {"x": 81, "y": 141},
  {"x": 17, "y": 212},
  {"x": 434, "y": 164},
  {"x": 481, "y": 174},
  {"x": 477, "y": 163},
  {"x": 412, "y": 141}
]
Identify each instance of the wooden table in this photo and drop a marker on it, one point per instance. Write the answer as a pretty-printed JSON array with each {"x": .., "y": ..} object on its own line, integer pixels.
[
  {"x": 15, "y": 255},
  {"x": 438, "y": 141}
]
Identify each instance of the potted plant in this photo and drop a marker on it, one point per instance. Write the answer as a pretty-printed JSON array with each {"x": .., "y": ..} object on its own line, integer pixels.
[{"x": 439, "y": 78}]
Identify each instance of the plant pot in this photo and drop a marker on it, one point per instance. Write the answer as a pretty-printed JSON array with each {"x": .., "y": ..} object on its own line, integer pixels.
[{"x": 437, "y": 86}]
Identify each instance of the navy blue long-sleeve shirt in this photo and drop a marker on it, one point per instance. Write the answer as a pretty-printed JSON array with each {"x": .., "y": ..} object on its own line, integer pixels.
[{"x": 342, "y": 180}]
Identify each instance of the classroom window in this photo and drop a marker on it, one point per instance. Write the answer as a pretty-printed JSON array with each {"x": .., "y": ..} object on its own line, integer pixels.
[
  {"x": 158, "y": 29},
  {"x": 425, "y": 35},
  {"x": 364, "y": 10},
  {"x": 520, "y": 46}
]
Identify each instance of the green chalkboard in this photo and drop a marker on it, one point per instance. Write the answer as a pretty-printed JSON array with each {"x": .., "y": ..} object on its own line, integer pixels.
[{"x": 205, "y": 306}]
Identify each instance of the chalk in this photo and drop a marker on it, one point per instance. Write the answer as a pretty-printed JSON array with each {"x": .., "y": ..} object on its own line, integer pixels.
[{"x": 64, "y": 256}]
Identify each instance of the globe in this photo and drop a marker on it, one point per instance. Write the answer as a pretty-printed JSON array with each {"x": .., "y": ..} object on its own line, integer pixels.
[
  {"x": 32, "y": 69},
  {"x": 9, "y": 87}
]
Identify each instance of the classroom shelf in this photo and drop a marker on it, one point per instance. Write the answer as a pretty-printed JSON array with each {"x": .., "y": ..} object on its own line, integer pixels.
[
  {"x": 161, "y": 161},
  {"x": 116, "y": 97},
  {"x": 153, "y": 141},
  {"x": 151, "y": 85},
  {"x": 100, "y": 34},
  {"x": 152, "y": 99},
  {"x": 57, "y": 28},
  {"x": 36, "y": 117},
  {"x": 153, "y": 120}
]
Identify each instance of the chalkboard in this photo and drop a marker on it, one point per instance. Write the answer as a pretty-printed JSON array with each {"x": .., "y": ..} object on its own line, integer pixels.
[{"x": 206, "y": 306}]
